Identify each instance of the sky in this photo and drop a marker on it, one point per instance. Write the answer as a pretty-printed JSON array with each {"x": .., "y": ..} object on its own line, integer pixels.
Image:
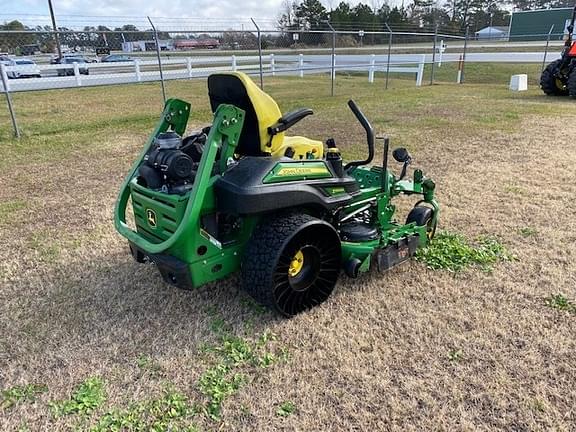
[{"x": 188, "y": 13}]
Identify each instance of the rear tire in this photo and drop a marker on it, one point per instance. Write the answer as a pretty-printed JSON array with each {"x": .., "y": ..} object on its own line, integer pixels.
[
  {"x": 551, "y": 85},
  {"x": 572, "y": 83},
  {"x": 291, "y": 263},
  {"x": 423, "y": 216}
]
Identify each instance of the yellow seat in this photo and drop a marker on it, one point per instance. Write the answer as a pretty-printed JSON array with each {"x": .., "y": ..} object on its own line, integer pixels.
[
  {"x": 262, "y": 113},
  {"x": 301, "y": 146}
]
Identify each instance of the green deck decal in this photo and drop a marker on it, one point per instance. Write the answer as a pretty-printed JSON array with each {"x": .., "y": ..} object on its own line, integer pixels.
[
  {"x": 290, "y": 171},
  {"x": 335, "y": 190}
]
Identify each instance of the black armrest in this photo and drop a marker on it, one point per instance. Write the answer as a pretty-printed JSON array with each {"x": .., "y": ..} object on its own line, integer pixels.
[{"x": 288, "y": 120}]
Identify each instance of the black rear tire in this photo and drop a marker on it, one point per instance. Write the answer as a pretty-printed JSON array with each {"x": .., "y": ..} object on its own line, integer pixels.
[
  {"x": 423, "y": 216},
  {"x": 572, "y": 83},
  {"x": 291, "y": 263},
  {"x": 551, "y": 85}
]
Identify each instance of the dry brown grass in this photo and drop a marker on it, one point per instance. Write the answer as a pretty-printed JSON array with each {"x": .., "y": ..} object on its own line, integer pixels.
[{"x": 380, "y": 354}]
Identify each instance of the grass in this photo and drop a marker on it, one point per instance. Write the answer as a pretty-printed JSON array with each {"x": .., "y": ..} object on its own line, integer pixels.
[{"x": 455, "y": 348}]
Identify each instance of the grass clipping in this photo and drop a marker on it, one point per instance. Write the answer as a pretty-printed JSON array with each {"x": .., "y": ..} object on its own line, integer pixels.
[{"x": 453, "y": 252}]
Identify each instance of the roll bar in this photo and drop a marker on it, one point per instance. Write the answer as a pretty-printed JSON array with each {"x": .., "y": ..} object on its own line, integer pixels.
[{"x": 369, "y": 135}]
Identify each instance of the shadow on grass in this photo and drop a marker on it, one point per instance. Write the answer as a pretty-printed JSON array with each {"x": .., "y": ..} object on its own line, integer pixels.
[{"x": 119, "y": 309}]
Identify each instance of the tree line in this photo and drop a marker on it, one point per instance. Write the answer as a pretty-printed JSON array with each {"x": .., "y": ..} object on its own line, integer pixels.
[
  {"x": 89, "y": 36},
  {"x": 450, "y": 15},
  {"x": 297, "y": 16}
]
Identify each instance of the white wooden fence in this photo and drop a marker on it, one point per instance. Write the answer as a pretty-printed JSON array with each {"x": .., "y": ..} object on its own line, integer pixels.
[{"x": 139, "y": 70}]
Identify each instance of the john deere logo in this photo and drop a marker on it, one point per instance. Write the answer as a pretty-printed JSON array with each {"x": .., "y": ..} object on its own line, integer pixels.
[{"x": 151, "y": 218}]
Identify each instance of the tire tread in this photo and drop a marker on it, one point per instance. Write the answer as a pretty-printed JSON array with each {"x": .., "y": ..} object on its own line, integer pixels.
[
  {"x": 572, "y": 83},
  {"x": 548, "y": 81},
  {"x": 262, "y": 253}
]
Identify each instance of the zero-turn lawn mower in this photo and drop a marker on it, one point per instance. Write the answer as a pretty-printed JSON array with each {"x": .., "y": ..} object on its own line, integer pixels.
[
  {"x": 287, "y": 213},
  {"x": 559, "y": 77}
]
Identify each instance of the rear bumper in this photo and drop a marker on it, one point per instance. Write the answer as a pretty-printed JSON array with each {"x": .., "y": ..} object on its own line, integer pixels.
[{"x": 173, "y": 270}]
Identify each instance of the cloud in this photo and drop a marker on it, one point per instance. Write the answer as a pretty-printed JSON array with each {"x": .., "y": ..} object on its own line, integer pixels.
[
  {"x": 181, "y": 14},
  {"x": 221, "y": 9}
]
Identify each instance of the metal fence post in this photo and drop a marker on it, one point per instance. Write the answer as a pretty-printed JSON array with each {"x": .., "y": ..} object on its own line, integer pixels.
[
  {"x": 234, "y": 65},
  {"x": 272, "y": 64},
  {"x": 301, "y": 64},
  {"x": 159, "y": 60},
  {"x": 9, "y": 100},
  {"x": 546, "y": 49},
  {"x": 55, "y": 28},
  {"x": 389, "y": 53},
  {"x": 259, "y": 53},
  {"x": 434, "y": 54},
  {"x": 333, "y": 66},
  {"x": 464, "y": 54}
]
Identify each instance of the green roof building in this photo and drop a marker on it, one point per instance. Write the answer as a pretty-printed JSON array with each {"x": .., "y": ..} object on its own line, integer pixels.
[{"x": 535, "y": 24}]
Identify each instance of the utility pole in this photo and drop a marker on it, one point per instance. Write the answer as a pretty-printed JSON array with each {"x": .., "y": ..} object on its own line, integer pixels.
[{"x": 56, "y": 36}]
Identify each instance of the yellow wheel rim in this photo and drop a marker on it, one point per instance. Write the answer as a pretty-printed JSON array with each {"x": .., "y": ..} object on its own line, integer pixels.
[
  {"x": 296, "y": 264},
  {"x": 560, "y": 84}
]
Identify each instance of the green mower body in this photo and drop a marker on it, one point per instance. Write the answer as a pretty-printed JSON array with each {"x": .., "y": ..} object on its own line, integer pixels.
[{"x": 290, "y": 225}]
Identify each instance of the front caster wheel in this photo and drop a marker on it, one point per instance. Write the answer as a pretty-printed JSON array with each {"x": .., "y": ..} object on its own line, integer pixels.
[
  {"x": 423, "y": 216},
  {"x": 292, "y": 263}
]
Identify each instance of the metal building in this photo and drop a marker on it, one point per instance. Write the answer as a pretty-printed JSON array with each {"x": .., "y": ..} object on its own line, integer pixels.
[
  {"x": 535, "y": 25},
  {"x": 492, "y": 33}
]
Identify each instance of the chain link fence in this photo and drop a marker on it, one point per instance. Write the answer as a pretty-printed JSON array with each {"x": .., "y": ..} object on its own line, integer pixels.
[{"x": 43, "y": 59}]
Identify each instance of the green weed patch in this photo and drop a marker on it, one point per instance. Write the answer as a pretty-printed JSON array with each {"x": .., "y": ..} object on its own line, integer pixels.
[
  {"x": 85, "y": 398},
  {"x": 558, "y": 301},
  {"x": 25, "y": 393},
  {"x": 170, "y": 412},
  {"x": 453, "y": 252}
]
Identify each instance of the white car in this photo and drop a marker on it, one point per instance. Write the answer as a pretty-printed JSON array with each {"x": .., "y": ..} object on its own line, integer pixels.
[
  {"x": 4, "y": 59},
  {"x": 22, "y": 68}
]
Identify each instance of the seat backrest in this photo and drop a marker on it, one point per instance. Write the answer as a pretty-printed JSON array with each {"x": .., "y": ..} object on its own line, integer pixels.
[{"x": 237, "y": 89}]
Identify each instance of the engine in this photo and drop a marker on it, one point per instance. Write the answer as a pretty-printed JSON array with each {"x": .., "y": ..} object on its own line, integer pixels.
[{"x": 171, "y": 163}]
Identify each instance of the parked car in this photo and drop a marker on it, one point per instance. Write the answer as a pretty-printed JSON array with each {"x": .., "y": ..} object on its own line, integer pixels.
[
  {"x": 86, "y": 58},
  {"x": 82, "y": 68},
  {"x": 22, "y": 68},
  {"x": 115, "y": 58}
]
